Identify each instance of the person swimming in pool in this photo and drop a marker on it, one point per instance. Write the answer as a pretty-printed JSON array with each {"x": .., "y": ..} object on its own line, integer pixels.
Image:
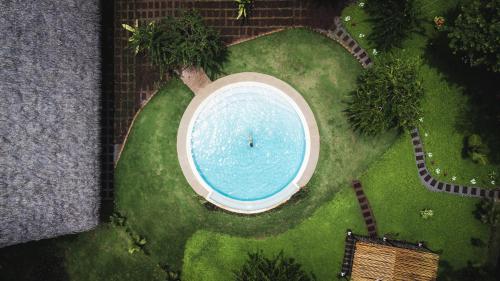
[{"x": 250, "y": 140}]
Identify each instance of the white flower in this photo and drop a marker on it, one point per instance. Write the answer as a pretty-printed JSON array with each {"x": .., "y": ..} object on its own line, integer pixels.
[
  {"x": 429, "y": 154},
  {"x": 438, "y": 171},
  {"x": 374, "y": 52},
  {"x": 361, "y": 4},
  {"x": 421, "y": 119},
  {"x": 492, "y": 182},
  {"x": 347, "y": 18},
  {"x": 361, "y": 35},
  {"x": 453, "y": 178},
  {"x": 426, "y": 134},
  {"x": 473, "y": 181}
]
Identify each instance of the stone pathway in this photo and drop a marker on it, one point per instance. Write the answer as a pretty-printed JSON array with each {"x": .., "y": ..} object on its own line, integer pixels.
[
  {"x": 435, "y": 185},
  {"x": 341, "y": 35},
  {"x": 366, "y": 211},
  {"x": 195, "y": 78}
]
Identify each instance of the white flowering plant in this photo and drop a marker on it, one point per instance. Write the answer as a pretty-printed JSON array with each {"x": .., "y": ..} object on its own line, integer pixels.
[{"x": 426, "y": 213}]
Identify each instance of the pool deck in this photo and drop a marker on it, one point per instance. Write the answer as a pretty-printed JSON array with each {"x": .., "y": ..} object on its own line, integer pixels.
[{"x": 250, "y": 207}]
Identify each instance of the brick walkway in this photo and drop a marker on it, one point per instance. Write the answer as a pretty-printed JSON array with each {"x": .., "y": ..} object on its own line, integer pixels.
[
  {"x": 366, "y": 210},
  {"x": 134, "y": 79},
  {"x": 340, "y": 34}
]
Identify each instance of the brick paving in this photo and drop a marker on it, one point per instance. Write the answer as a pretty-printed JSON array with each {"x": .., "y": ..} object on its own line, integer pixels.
[{"x": 134, "y": 79}]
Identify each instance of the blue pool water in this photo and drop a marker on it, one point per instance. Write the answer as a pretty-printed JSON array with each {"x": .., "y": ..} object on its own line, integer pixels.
[{"x": 226, "y": 125}]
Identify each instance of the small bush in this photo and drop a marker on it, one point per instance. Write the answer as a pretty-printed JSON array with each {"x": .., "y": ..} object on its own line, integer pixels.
[
  {"x": 487, "y": 212},
  {"x": 279, "y": 268},
  {"x": 477, "y": 150},
  {"x": 393, "y": 20},
  {"x": 175, "y": 43},
  {"x": 474, "y": 33},
  {"x": 388, "y": 96},
  {"x": 426, "y": 214}
]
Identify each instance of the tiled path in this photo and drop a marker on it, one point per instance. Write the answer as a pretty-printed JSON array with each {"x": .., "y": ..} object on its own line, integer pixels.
[
  {"x": 339, "y": 34},
  {"x": 366, "y": 211},
  {"x": 435, "y": 185}
]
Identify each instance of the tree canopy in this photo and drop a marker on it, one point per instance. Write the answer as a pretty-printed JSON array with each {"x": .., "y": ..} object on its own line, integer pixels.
[
  {"x": 174, "y": 43},
  {"x": 279, "y": 268},
  {"x": 474, "y": 34},
  {"x": 388, "y": 96}
]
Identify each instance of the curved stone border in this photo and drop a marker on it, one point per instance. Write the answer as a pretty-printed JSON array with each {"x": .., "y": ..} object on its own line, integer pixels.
[
  {"x": 239, "y": 206},
  {"x": 341, "y": 35},
  {"x": 120, "y": 147},
  {"x": 438, "y": 186}
]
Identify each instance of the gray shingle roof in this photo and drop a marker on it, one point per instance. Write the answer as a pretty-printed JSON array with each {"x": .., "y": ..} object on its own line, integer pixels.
[{"x": 49, "y": 118}]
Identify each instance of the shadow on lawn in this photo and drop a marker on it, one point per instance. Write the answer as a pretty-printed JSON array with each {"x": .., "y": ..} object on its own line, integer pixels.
[
  {"x": 33, "y": 261},
  {"x": 482, "y": 113},
  {"x": 467, "y": 273}
]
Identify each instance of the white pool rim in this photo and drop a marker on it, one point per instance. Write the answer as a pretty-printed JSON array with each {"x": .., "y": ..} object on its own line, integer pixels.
[{"x": 190, "y": 115}]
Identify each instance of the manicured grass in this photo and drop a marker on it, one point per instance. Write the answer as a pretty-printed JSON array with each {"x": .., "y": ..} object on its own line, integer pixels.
[
  {"x": 317, "y": 243},
  {"x": 102, "y": 255},
  {"x": 156, "y": 199},
  {"x": 208, "y": 245},
  {"x": 445, "y": 104},
  {"x": 392, "y": 187}
]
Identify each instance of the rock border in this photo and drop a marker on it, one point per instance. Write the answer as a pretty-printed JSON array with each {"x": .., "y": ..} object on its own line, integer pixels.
[
  {"x": 435, "y": 185},
  {"x": 345, "y": 39}
]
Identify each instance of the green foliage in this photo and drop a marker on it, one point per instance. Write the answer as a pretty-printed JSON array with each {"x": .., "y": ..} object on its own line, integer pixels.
[
  {"x": 475, "y": 33},
  {"x": 279, "y": 268},
  {"x": 487, "y": 212},
  {"x": 136, "y": 242},
  {"x": 243, "y": 6},
  {"x": 175, "y": 43},
  {"x": 426, "y": 214},
  {"x": 388, "y": 96},
  {"x": 393, "y": 21},
  {"x": 477, "y": 150},
  {"x": 172, "y": 275}
]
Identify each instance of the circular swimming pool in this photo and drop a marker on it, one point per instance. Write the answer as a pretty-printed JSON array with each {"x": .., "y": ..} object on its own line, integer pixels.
[{"x": 245, "y": 142}]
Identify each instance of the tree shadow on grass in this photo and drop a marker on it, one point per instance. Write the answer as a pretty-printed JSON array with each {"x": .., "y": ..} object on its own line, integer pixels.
[
  {"x": 482, "y": 113},
  {"x": 470, "y": 272},
  {"x": 34, "y": 261}
]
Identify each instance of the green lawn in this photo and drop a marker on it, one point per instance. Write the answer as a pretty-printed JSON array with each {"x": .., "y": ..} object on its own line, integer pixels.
[
  {"x": 446, "y": 101},
  {"x": 208, "y": 245},
  {"x": 159, "y": 204}
]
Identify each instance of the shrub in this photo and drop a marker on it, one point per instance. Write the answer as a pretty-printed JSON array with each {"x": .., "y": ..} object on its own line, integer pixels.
[
  {"x": 175, "y": 43},
  {"x": 474, "y": 33},
  {"x": 392, "y": 20},
  {"x": 487, "y": 212},
  {"x": 476, "y": 149},
  {"x": 243, "y": 7},
  {"x": 279, "y": 268},
  {"x": 388, "y": 96},
  {"x": 426, "y": 214}
]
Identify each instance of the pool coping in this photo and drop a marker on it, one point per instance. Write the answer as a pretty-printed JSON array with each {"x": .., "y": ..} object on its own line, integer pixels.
[{"x": 204, "y": 93}]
